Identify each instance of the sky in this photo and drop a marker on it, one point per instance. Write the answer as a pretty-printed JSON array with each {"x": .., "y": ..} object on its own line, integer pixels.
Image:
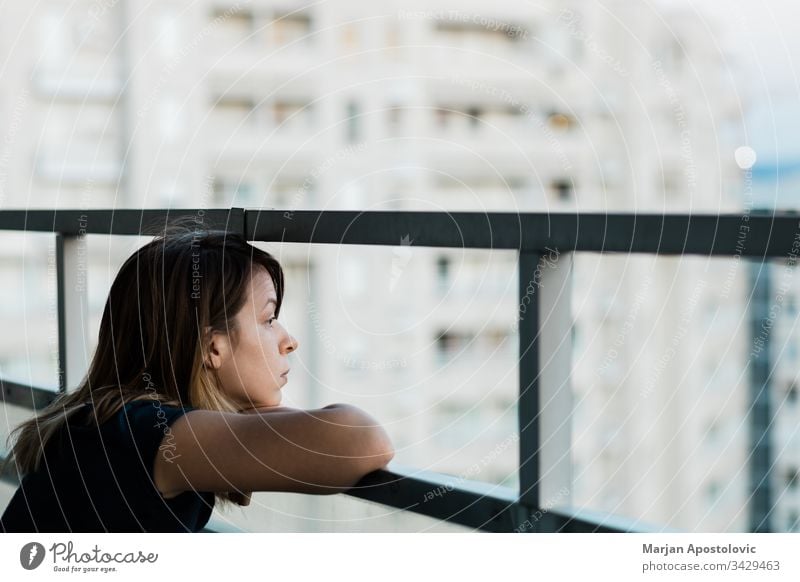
[{"x": 763, "y": 39}]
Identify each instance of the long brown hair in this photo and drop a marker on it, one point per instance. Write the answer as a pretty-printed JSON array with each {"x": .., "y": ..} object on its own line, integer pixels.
[{"x": 165, "y": 299}]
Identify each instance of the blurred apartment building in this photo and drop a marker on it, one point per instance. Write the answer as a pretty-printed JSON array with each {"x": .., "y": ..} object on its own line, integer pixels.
[{"x": 415, "y": 106}]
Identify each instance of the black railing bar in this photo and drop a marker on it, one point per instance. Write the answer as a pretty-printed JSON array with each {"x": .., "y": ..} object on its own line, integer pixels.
[
  {"x": 61, "y": 314},
  {"x": 529, "y": 379},
  {"x": 25, "y": 396},
  {"x": 444, "y": 497},
  {"x": 123, "y": 221},
  {"x": 746, "y": 235},
  {"x": 8, "y": 475},
  {"x": 480, "y": 505},
  {"x": 432, "y": 480},
  {"x": 673, "y": 234}
]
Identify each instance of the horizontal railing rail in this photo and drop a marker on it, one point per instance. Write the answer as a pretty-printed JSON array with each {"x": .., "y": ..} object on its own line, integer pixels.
[
  {"x": 542, "y": 502},
  {"x": 751, "y": 234}
]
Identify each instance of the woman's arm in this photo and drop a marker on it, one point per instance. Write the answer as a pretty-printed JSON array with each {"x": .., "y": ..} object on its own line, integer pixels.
[{"x": 320, "y": 451}]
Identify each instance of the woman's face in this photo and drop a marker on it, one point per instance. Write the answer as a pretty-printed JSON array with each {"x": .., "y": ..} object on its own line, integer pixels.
[{"x": 254, "y": 371}]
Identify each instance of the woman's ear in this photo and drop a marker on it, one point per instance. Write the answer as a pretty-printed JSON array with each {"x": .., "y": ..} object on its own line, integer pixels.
[{"x": 218, "y": 350}]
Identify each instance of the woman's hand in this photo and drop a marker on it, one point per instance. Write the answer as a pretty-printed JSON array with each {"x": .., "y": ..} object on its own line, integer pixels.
[{"x": 238, "y": 498}]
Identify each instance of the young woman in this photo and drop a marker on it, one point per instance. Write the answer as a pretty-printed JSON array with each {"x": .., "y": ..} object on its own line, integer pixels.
[{"x": 181, "y": 404}]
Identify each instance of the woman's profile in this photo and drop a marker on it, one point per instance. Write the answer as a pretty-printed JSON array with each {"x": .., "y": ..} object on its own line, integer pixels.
[{"x": 181, "y": 403}]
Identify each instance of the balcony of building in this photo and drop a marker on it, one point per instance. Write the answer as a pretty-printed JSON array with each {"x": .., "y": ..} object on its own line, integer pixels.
[{"x": 544, "y": 247}]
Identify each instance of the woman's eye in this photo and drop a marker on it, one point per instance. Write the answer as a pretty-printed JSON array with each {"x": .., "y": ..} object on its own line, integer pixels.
[{"x": 270, "y": 320}]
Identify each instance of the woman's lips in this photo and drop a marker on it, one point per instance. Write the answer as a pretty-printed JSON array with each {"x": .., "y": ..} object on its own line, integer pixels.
[{"x": 285, "y": 373}]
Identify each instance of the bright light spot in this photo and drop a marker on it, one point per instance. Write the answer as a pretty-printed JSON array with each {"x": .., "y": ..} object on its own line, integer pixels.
[{"x": 745, "y": 157}]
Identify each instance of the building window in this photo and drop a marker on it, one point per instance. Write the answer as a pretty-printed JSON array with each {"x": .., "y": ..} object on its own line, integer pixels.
[
  {"x": 560, "y": 121},
  {"x": 450, "y": 344},
  {"x": 288, "y": 28},
  {"x": 712, "y": 431},
  {"x": 443, "y": 272},
  {"x": 474, "y": 114},
  {"x": 233, "y": 112},
  {"x": 350, "y": 36},
  {"x": 674, "y": 54},
  {"x": 229, "y": 192},
  {"x": 287, "y": 193},
  {"x": 241, "y": 20},
  {"x": 712, "y": 491},
  {"x": 353, "y": 122},
  {"x": 395, "y": 116},
  {"x": 232, "y": 28},
  {"x": 289, "y": 114},
  {"x": 562, "y": 189},
  {"x": 791, "y": 393},
  {"x": 516, "y": 183},
  {"x": 791, "y": 306},
  {"x": 455, "y": 33},
  {"x": 793, "y": 478},
  {"x": 671, "y": 184},
  {"x": 442, "y": 117},
  {"x": 494, "y": 340}
]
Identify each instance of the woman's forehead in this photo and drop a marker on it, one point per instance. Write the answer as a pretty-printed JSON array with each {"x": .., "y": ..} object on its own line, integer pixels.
[{"x": 262, "y": 286}]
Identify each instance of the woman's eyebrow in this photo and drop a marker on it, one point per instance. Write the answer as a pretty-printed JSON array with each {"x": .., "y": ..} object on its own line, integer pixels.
[{"x": 270, "y": 300}]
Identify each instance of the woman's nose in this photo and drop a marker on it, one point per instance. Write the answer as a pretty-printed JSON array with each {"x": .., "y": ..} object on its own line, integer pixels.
[{"x": 292, "y": 345}]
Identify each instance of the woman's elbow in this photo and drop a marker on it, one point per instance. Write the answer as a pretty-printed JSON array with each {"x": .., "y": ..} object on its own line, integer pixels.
[
  {"x": 372, "y": 449},
  {"x": 373, "y": 453},
  {"x": 382, "y": 450}
]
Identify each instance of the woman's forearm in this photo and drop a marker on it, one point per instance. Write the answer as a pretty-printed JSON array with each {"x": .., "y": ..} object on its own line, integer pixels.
[{"x": 375, "y": 443}]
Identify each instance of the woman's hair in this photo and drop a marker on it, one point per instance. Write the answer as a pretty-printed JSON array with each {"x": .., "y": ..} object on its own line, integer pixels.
[{"x": 165, "y": 300}]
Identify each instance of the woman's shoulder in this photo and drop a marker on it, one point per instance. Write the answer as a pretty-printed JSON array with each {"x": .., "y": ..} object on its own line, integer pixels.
[
  {"x": 132, "y": 416},
  {"x": 141, "y": 426},
  {"x": 158, "y": 410}
]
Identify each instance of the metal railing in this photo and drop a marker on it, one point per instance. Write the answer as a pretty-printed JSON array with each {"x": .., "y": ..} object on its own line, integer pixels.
[{"x": 544, "y": 317}]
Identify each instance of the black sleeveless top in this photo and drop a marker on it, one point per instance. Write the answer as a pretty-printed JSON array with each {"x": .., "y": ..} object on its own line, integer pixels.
[{"x": 94, "y": 479}]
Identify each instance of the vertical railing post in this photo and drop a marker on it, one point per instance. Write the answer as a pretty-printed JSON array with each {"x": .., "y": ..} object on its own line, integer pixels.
[
  {"x": 761, "y": 417},
  {"x": 545, "y": 397},
  {"x": 73, "y": 310}
]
